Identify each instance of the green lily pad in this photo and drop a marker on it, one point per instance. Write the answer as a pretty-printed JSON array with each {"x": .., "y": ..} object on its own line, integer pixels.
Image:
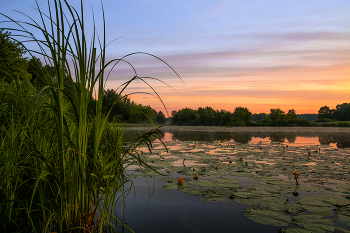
[
  {"x": 313, "y": 208},
  {"x": 175, "y": 186},
  {"x": 248, "y": 201},
  {"x": 243, "y": 194},
  {"x": 337, "y": 200},
  {"x": 316, "y": 219},
  {"x": 342, "y": 230},
  {"x": 318, "y": 228},
  {"x": 313, "y": 201},
  {"x": 203, "y": 183},
  {"x": 191, "y": 191},
  {"x": 240, "y": 174},
  {"x": 267, "y": 217},
  {"x": 344, "y": 218}
]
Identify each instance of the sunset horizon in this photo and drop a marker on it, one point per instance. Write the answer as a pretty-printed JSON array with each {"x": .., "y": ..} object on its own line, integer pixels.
[{"x": 287, "y": 55}]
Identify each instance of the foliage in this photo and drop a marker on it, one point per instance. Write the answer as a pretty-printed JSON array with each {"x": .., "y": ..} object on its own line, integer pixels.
[
  {"x": 62, "y": 165},
  {"x": 242, "y": 114},
  {"x": 325, "y": 112},
  {"x": 120, "y": 107},
  {"x": 12, "y": 64},
  {"x": 340, "y": 113},
  {"x": 160, "y": 118},
  {"x": 259, "y": 116}
]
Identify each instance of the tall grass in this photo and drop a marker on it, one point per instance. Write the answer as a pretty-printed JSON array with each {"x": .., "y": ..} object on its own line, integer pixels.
[{"x": 62, "y": 165}]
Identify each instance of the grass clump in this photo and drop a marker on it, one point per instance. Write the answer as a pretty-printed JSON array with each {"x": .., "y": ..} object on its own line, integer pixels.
[{"x": 62, "y": 165}]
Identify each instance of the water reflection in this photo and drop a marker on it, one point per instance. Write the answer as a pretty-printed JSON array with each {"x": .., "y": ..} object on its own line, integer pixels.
[{"x": 340, "y": 139}]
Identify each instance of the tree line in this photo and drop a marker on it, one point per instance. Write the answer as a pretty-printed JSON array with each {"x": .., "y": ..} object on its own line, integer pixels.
[
  {"x": 241, "y": 116},
  {"x": 340, "y": 113}
]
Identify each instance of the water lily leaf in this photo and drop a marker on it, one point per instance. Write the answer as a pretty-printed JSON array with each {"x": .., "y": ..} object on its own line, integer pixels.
[
  {"x": 304, "y": 218},
  {"x": 248, "y": 201},
  {"x": 337, "y": 200},
  {"x": 243, "y": 194},
  {"x": 313, "y": 208},
  {"x": 342, "y": 230},
  {"x": 202, "y": 191},
  {"x": 307, "y": 188},
  {"x": 191, "y": 191},
  {"x": 344, "y": 218},
  {"x": 297, "y": 230},
  {"x": 267, "y": 217},
  {"x": 318, "y": 228},
  {"x": 203, "y": 183},
  {"x": 240, "y": 174},
  {"x": 175, "y": 186},
  {"x": 313, "y": 201}
]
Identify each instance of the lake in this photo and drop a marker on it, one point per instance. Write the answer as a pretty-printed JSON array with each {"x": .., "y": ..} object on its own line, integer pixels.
[{"x": 245, "y": 183}]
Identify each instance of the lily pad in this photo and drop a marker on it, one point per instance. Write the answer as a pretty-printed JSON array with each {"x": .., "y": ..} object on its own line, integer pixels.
[
  {"x": 267, "y": 217},
  {"x": 314, "y": 219},
  {"x": 318, "y": 228},
  {"x": 313, "y": 208},
  {"x": 175, "y": 186},
  {"x": 243, "y": 194},
  {"x": 203, "y": 183},
  {"x": 248, "y": 201},
  {"x": 191, "y": 191},
  {"x": 344, "y": 218},
  {"x": 313, "y": 201}
]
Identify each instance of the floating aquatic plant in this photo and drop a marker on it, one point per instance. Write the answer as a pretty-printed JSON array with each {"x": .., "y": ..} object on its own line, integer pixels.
[
  {"x": 180, "y": 181},
  {"x": 296, "y": 175}
]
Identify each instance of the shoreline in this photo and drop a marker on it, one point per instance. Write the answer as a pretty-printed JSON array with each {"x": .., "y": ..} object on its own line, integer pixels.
[{"x": 169, "y": 128}]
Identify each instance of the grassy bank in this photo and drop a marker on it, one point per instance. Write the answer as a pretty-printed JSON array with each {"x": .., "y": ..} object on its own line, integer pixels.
[{"x": 62, "y": 164}]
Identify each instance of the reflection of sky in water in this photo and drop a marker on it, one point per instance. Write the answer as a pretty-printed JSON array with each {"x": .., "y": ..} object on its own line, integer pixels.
[{"x": 332, "y": 139}]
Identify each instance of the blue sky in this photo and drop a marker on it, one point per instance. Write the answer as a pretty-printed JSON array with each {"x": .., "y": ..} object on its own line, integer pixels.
[{"x": 257, "y": 54}]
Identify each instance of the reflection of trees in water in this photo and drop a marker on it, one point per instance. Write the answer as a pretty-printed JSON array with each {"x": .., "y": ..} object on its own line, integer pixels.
[
  {"x": 342, "y": 140},
  {"x": 277, "y": 137},
  {"x": 202, "y": 136},
  {"x": 132, "y": 136}
]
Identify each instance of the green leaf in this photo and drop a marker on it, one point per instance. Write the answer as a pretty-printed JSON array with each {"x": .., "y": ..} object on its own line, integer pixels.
[
  {"x": 203, "y": 183},
  {"x": 344, "y": 218},
  {"x": 267, "y": 217},
  {"x": 318, "y": 228},
  {"x": 175, "y": 186}
]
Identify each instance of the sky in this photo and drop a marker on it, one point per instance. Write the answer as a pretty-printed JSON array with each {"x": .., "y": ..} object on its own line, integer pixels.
[{"x": 255, "y": 54}]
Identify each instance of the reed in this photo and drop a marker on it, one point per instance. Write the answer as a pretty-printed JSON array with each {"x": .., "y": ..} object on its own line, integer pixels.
[{"x": 62, "y": 164}]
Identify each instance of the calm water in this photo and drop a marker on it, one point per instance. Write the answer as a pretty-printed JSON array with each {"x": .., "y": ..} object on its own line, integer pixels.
[
  {"x": 339, "y": 140},
  {"x": 174, "y": 211}
]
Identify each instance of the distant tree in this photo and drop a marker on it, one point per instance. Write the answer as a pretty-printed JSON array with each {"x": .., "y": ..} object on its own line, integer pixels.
[
  {"x": 259, "y": 116},
  {"x": 206, "y": 116},
  {"x": 277, "y": 116},
  {"x": 342, "y": 112},
  {"x": 242, "y": 114},
  {"x": 160, "y": 117},
  {"x": 325, "y": 112},
  {"x": 291, "y": 115},
  {"x": 12, "y": 63},
  {"x": 186, "y": 116}
]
